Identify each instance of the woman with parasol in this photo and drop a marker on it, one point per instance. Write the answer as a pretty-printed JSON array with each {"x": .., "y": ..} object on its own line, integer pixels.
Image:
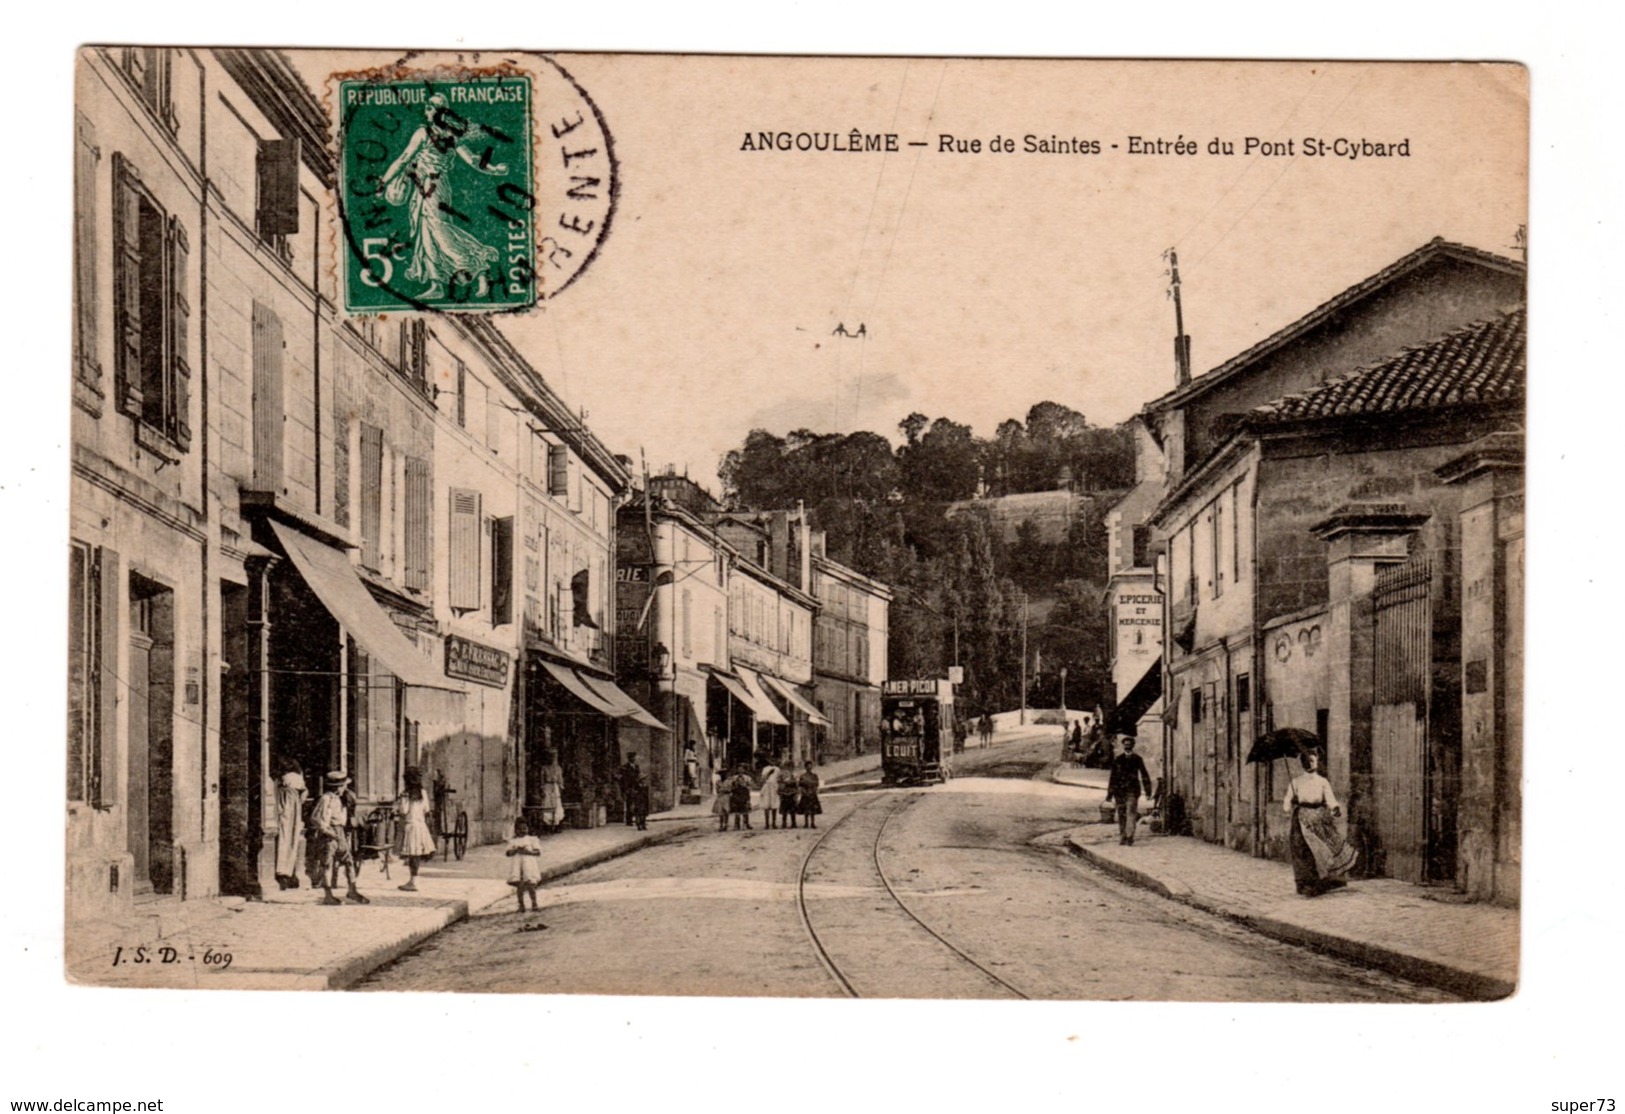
[{"x": 1321, "y": 858}]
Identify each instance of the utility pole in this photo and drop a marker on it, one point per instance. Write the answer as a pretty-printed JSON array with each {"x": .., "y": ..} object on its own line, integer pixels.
[
  {"x": 1024, "y": 659},
  {"x": 1182, "y": 343}
]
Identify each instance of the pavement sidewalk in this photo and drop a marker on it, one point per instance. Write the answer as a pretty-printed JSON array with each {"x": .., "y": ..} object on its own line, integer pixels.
[
  {"x": 289, "y": 941},
  {"x": 1426, "y": 935}
]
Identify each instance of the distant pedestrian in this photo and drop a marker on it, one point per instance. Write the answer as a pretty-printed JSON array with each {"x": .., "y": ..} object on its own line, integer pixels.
[
  {"x": 1128, "y": 777},
  {"x": 635, "y": 793},
  {"x": 789, "y": 797},
  {"x": 413, "y": 840},
  {"x": 691, "y": 766},
  {"x": 524, "y": 864},
  {"x": 986, "y": 728},
  {"x": 770, "y": 795},
  {"x": 1321, "y": 857},
  {"x": 719, "y": 804},
  {"x": 810, "y": 805},
  {"x": 552, "y": 806},
  {"x": 739, "y": 792},
  {"x": 290, "y": 823},
  {"x": 330, "y": 826}
]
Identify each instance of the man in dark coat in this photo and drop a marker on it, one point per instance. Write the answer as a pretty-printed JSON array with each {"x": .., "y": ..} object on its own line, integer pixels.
[
  {"x": 635, "y": 793},
  {"x": 1128, "y": 777}
]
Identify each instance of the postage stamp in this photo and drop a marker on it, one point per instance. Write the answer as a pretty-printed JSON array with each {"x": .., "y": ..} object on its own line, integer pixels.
[{"x": 440, "y": 200}]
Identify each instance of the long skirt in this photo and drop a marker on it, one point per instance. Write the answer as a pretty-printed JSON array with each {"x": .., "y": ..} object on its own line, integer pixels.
[
  {"x": 1321, "y": 856},
  {"x": 810, "y": 804}
]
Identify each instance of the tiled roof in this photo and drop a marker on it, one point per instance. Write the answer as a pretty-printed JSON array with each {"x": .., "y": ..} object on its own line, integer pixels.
[
  {"x": 1434, "y": 249},
  {"x": 1481, "y": 363}
]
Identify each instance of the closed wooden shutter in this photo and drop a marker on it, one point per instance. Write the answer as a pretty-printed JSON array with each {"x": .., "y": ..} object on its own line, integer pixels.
[
  {"x": 341, "y": 471},
  {"x": 178, "y": 419},
  {"x": 501, "y": 571},
  {"x": 418, "y": 547},
  {"x": 103, "y": 784},
  {"x": 278, "y": 168},
  {"x": 268, "y": 401},
  {"x": 463, "y": 589},
  {"x": 558, "y": 471},
  {"x": 126, "y": 286},
  {"x": 372, "y": 491},
  {"x": 87, "y": 298}
]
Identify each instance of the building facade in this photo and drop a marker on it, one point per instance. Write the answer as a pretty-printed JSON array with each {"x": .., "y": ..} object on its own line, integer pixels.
[
  {"x": 850, "y": 648},
  {"x": 1314, "y": 581},
  {"x": 297, "y": 537}
]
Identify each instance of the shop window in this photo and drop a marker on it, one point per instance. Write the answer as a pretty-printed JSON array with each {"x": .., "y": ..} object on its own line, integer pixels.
[{"x": 152, "y": 375}]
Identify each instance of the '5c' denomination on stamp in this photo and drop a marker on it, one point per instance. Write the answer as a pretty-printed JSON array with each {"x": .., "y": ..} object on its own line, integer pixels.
[{"x": 468, "y": 190}]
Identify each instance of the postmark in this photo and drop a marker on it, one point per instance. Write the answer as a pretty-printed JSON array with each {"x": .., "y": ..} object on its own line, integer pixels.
[{"x": 482, "y": 189}]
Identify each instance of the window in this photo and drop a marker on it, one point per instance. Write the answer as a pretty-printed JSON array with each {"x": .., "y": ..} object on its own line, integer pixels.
[
  {"x": 501, "y": 571},
  {"x": 1196, "y": 705},
  {"x": 462, "y": 394},
  {"x": 152, "y": 375},
  {"x": 414, "y": 355},
  {"x": 1244, "y": 694},
  {"x": 1142, "y": 547},
  {"x": 87, "y": 295},
  {"x": 372, "y": 491},
  {"x": 92, "y": 645},
  {"x": 276, "y": 214},
  {"x": 463, "y": 550},
  {"x": 147, "y": 69},
  {"x": 418, "y": 545}
]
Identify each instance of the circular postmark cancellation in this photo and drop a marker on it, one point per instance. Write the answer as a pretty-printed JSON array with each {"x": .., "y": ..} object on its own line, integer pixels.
[{"x": 468, "y": 188}]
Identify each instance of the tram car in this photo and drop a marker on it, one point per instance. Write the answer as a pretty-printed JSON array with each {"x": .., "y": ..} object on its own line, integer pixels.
[{"x": 916, "y": 731}]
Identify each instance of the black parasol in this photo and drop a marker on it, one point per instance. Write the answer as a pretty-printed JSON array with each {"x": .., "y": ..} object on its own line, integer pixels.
[{"x": 1283, "y": 742}]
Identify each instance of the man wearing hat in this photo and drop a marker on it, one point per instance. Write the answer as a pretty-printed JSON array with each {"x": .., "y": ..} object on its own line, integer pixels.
[
  {"x": 1128, "y": 776},
  {"x": 329, "y": 824}
]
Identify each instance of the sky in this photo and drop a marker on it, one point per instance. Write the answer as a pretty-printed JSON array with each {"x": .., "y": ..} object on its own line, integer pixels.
[{"x": 986, "y": 282}]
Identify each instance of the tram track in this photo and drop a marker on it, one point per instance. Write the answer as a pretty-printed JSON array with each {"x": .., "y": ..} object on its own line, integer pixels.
[{"x": 865, "y": 935}]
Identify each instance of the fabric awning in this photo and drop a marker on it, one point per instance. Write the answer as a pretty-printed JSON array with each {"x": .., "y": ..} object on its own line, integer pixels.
[
  {"x": 766, "y": 710},
  {"x": 334, "y": 580},
  {"x": 628, "y": 708},
  {"x": 578, "y": 687},
  {"x": 1146, "y": 691},
  {"x": 786, "y": 690},
  {"x": 735, "y": 686}
]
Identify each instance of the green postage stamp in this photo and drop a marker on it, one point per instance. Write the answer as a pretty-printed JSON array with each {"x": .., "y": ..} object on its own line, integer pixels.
[{"x": 436, "y": 193}]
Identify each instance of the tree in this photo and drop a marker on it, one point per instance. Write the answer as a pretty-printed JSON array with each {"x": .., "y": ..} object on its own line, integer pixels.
[{"x": 939, "y": 465}]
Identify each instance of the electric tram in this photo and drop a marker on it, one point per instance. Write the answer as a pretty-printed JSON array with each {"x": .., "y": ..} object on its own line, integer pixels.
[{"x": 916, "y": 731}]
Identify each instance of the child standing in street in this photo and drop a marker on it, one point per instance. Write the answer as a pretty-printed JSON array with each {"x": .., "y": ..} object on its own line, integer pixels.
[
  {"x": 739, "y": 792},
  {"x": 524, "y": 864},
  {"x": 770, "y": 795}
]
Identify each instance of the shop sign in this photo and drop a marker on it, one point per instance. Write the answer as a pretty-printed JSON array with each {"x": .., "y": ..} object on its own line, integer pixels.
[
  {"x": 915, "y": 687},
  {"x": 470, "y": 661}
]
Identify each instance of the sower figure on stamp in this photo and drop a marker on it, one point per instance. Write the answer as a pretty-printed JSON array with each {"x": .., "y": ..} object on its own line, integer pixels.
[
  {"x": 1128, "y": 777},
  {"x": 419, "y": 179},
  {"x": 330, "y": 826}
]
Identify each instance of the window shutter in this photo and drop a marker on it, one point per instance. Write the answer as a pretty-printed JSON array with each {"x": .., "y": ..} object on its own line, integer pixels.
[
  {"x": 372, "y": 493},
  {"x": 419, "y": 372},
  {"x": 103, "y": 784},
  {"x": 462, "y": 394},
  {"x": 87, "y": 298},
  {"x": 341, "y": 472},
  {"x": 278, "y": 187},
  {"x": 127, "y": 286},
  {"x": 177, "y": 421},
  {"x": 464, "y": 549},
  {"x": 268, "y": 402},
  {"x": 501, "y": 571},
  {"x": 558, "y": 471},
  {"x": 417, "y": 523}
]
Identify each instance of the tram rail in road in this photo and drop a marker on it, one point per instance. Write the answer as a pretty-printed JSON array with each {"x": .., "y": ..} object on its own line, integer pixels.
[{"x": 894, "y": 805}]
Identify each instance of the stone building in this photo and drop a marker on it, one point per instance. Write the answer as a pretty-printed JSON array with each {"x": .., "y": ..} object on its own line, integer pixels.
[
  {"x": 296, "y": 536},
  {"x": 1286, "y": 480}
]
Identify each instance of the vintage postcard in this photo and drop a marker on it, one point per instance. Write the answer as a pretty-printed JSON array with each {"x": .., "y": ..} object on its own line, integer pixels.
[{"x": 793, "y": 527}]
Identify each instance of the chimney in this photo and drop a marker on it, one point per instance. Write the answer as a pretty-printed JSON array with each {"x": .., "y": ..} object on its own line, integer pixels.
[{"x": 1182, "y": 343}]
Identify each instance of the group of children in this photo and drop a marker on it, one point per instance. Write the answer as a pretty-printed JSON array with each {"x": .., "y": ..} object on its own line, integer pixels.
[{"x": 784, "y": 796}]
